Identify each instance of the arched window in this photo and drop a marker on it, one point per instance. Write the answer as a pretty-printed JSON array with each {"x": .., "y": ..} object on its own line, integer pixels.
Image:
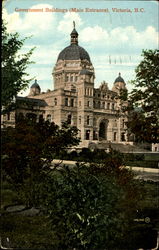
[{"x": 113, "y": 106}]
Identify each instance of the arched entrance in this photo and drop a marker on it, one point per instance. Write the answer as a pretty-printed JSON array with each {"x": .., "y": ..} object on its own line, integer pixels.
[{"x": 103, "y": 130}]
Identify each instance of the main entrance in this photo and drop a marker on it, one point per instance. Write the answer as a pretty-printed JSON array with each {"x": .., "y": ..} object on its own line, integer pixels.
[{"x": 103, "y": 130}]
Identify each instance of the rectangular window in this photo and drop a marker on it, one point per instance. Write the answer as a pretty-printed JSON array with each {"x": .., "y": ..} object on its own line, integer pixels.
[
  {"x": 88, "y": 120},
  {"x": 8, "y": 116},
  {"x": 72, "y": 102},
  {"x": 79, "y": 119},
  {"x": 66, "y": 101}
]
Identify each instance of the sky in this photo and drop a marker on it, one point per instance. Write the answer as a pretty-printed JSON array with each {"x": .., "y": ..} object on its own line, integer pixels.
[{"x": 114, "y": 33}]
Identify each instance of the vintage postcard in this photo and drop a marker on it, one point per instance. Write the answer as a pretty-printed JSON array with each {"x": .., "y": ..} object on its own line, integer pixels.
[{"x": 64, "y": 67}]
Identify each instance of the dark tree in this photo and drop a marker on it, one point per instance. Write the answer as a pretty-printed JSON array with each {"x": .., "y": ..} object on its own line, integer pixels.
[
  {"x": 28, "y": 150},
  {"x": 144, "y": 99},
  {"x": 13, "y": 66}
]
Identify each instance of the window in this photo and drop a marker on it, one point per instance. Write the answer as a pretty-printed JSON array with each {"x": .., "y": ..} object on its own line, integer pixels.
[
  {"x": 71, "y": 79},
  {"x": 20, "y": 117},
  {"x": 72, "y": 103},
  {"x": 79, "y": 119},
  {"x": 67, "y": 78},
  {"x": 108, "y": 105},
  {"x": 41, "y": 118},
  {"x": 66, "y": 101},
  {"x": 95, "y": 135},
  {"x": 113, "y": 105},
  {"x": 122, "y": 136},
  {"x": 80, "y": 103},
  {"x": 8, "y": 116},
  {"x": 48, "y": 118},
  {"x": 88, "y": 120},
  {"x": 103, "y": 105},
  {"x": 55, "y": 101},
  {"x": 88, "y": 104},
  {"x": 115, "y": 136},
  {"x": 69, "y": 118},
  {"x": 76, "y": 78},
  {"x": 87, "y": 134},
  {"x": 99, "y": 104},
  {"x": 123, "y": 123},
  {"x": 115, "y": 123}
]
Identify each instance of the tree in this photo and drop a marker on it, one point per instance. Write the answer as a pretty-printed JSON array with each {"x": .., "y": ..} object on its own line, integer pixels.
[
  {"x": 14, "y": 66},
  {"x": 90, "y": 206},
  {"x": 28, "y": 150},
  {"x": 143, "y": 100}
]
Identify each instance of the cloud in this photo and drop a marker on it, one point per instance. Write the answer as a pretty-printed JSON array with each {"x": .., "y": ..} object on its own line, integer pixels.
[
  {"x": 120, "y": 38},
  {"x": 35, "y": 23},
  {"x": 66, "y": 25},
  {"x": 96, "y": 33}
]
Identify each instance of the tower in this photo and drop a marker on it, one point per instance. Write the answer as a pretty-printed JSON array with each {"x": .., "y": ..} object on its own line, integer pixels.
[{"x": 35, "y": 89}]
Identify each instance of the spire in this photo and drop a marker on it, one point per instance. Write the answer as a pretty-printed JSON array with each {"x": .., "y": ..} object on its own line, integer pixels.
[{"x": 74, "y": 35}]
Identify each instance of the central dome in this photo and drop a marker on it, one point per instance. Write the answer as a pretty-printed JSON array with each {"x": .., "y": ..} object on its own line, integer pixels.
[{"x": 73, "y": 52}]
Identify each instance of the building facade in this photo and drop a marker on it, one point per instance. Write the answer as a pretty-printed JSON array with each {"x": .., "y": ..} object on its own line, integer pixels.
[{"x": 96, "y": 112}]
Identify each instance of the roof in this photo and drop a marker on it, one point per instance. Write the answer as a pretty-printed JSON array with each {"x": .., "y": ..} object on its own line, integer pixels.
[
  {"x": 85, "y": 72},
  {"x": 119, "y": 79},
  {"x": 35, "y": 85},
  {"x": 73, "y": 52},
  {"x": 33, "y": 101},
  {"x": 74, "y": 32}
]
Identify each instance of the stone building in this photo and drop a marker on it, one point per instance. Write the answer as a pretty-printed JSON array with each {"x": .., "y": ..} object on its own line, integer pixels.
[{"x": 95, "y": 111}]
